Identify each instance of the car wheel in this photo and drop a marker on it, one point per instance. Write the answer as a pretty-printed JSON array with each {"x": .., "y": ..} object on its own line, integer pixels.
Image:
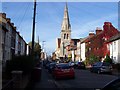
[{"x": 98, "y": 72}]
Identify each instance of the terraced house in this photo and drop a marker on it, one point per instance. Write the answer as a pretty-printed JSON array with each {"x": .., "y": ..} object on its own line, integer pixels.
[
  {"x": 97, "y": 44},
  {"x": 11, "y": 43}
]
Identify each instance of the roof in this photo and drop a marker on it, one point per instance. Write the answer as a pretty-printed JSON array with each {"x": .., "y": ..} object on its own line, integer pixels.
[
  {"x": 83, "y": 39},
  {"x": 75, "y": 39},
  {"x": 116, "y": 37}
]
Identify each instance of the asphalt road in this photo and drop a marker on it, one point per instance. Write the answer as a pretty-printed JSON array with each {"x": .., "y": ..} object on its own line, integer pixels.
[{"x": 84, "y": 80}]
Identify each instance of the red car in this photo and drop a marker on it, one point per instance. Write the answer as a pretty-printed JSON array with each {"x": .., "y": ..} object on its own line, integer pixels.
[{"x": 63, "y": 70}]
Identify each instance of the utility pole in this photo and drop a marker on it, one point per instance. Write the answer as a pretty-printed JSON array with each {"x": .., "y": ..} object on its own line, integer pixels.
[{"x": 33, "y": 32}]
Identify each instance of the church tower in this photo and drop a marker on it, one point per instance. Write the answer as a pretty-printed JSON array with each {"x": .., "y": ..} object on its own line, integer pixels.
[{"x": 65, "y": 32}]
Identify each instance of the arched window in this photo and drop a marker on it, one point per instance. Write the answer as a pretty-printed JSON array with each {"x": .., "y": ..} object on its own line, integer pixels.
[{"x": 64, "y": 36}]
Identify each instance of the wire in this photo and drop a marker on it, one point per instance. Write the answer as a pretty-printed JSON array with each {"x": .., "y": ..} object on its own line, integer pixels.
[{"x": 24, "y": 15}]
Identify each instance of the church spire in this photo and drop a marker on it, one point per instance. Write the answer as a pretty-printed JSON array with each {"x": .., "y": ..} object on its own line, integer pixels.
[{"x": 66, "y": 23}]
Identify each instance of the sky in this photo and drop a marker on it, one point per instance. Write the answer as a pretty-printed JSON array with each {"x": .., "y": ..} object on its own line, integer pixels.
[{"x": 84, "y": 17}]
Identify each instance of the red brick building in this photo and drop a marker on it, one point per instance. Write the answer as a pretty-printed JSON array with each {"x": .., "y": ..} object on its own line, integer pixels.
[{"x": 96, "y": 45}]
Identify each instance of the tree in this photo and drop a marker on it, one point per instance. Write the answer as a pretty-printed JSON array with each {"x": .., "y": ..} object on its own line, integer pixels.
[
  {"x": 108, "y": 59},
  {"x": 93, "y": 59},
  {"x": 37, "y": 48}
]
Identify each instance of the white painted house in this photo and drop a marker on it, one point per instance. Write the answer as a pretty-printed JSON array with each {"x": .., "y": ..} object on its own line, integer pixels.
[
  {"x": 115, "y": 48},
  {"x": 83, "y": 51}
]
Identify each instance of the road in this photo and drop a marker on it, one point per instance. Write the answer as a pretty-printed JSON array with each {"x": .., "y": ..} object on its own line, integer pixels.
[{"x": 84, "y": 80}]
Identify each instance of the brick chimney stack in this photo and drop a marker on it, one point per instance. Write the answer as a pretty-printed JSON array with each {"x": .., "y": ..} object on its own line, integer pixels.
[
  {"x": 98, "y": 30},
  {"x": 8, "y": 19},
  {"x": 3, "y": 15},
  {"x": 91, "y": 34},
  {"x": 107, "y": 25}
]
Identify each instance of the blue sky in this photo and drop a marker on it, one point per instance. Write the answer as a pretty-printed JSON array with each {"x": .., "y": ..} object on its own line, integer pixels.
[{"x": 84, "y": 17}]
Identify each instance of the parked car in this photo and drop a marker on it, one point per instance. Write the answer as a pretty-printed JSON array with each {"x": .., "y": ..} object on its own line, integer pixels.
[
  {"x": 101, "y": 67},
  {"x": 47, "y": 64},
  {"x": 51, "y": 66},
  {"x": 113, "y": 85},
  {"x": 71, "y": 64},
  {"x": 81, "y": 65},
  {"x": 63, "y": 70}
]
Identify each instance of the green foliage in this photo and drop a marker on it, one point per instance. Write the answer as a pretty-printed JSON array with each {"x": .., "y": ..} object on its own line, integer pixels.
[
  {"x": 22, "y": 63},
  {"x": 37, "y": 48},
  {"x": 108, "y": 59},
  {"x": 86, "y": 62},
  {"x": 93, "y": 59}
]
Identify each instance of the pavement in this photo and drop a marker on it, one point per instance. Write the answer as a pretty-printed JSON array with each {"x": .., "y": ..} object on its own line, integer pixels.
[{"x": 46, "y": 82}]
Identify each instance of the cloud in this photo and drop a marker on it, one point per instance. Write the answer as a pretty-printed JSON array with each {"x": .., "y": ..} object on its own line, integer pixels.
[{"x": 83, "y": 30}]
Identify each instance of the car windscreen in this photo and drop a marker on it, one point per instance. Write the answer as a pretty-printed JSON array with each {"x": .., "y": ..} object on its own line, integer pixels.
[{"x": 63, "y": 66}]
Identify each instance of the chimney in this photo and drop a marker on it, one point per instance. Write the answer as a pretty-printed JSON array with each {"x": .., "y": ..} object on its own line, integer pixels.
[
  {"x": 8, "y": 19},
  {"x": 107, "y": 25},
  {"x": 18, "y": 32},
  {"x": 91, "y": 34},
  {"x": 3, "y": 15},
  {"x": 15, "y": 28},
  {"x": 12, "y": 24},
  {"x": 98, "y": 30}
]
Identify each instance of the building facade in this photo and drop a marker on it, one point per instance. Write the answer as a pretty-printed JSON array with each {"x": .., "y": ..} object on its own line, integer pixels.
[
  {"x": 96, "y": 44},
  {"x": 65, "y": 32},
  {"x": 66, "y": 47},
  {"x": 10, "y": 40},
  {"x": 114, "y": 45}
]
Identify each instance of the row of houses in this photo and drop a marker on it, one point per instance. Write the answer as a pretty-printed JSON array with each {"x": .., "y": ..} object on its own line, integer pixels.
[
  {"x": 11, "y": 42},
  {"x": 99, "y": 43}
]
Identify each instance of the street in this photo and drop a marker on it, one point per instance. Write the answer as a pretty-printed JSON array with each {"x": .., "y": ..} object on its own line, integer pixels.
[{"x": 84, "y": 79}]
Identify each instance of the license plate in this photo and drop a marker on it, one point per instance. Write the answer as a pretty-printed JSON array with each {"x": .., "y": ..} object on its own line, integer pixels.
[{"x": 66, "y": 70}]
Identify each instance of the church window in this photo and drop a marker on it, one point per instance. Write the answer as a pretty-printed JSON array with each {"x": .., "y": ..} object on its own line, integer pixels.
[
  {"x": 64, "y": 36},
  {"x": 67, "y": 36}
]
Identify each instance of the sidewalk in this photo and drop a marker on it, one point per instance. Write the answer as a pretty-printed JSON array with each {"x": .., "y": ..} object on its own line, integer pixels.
[{"x": 46, "y": 82}]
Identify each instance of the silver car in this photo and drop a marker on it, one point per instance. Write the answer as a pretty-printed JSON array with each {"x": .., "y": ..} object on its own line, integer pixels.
[{"x": 101, "y": 67}]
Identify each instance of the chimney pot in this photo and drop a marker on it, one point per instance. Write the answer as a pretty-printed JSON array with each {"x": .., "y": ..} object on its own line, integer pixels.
[
  {"x": 3, "y": 15},
  {"x": 98, "y": 30},
  {"x": 91, "y": 34}
]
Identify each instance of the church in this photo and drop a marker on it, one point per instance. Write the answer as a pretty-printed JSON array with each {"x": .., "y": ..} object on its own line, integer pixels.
[{"x": 65, "y": 45}]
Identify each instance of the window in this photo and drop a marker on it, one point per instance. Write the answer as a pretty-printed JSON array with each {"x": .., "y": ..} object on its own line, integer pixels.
[
  {"x": 64, "y": 36},
  {"x": 67, "y": 36},
  {"x": 114, "y": 46},
  {"x": 114, "y": 58},
  {"x": 89, "y": 49}
]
